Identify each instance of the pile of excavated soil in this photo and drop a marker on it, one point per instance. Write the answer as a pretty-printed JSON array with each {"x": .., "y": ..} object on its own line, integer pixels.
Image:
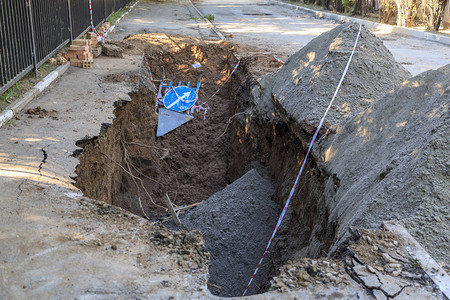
[
  {"x": 236, "y": 224},
  {"x": 285, "y": 109},
  {"x": 392, "y": 163},
  {"x": 132, "y": 78},
  {"x": 384, "y": 155},
  {"x": 301, "y": 90},
  {"x": 42, "y": 113}
]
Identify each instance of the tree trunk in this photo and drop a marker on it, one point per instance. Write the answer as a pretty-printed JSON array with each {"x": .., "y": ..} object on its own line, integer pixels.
[
  {"x": 407, "y": 11},
  {"x": 337, "y": 6},
  {"x": 434, "y": 10},
  {"x": 387, "y": 9}
]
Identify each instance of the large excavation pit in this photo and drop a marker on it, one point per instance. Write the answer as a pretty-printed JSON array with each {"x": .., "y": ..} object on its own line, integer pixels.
[
  {"x": 242, "y": 156},
  {"x": 127, "y": 166}
]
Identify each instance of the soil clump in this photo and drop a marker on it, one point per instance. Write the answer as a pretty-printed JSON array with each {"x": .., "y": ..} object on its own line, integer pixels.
[
  {"x": 42, "y": 113},
  {"x": 374, "y": 265},
  {"x": 301, "y": 90}
]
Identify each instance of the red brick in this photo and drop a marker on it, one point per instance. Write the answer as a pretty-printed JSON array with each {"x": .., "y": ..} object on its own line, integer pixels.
[{"x": 81, "y": 42}]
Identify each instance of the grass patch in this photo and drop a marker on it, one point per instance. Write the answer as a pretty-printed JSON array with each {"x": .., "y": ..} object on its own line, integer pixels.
[
  {"x": 209, "y": 17},
  {"x": 23, "y": 85},
  {"x": 115, "y": 16},
  {"x": 8, "y": 123}
]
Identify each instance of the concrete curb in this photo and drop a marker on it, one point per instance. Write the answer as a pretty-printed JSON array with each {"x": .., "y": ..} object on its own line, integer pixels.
[
  {"x": 429, "y": 265},
  {"x": 213, "y": 27},
  {"x": 17, "y": 106},
  {"x": 373, "y": 26}
]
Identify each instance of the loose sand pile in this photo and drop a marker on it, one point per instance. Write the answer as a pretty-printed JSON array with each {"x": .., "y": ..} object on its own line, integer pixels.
[
  {"x": 236, "y": 223},
  {"x": 392, "y": 162},
  {"x": 382, "y": 154},
  {"x": 301, "y": 90}
]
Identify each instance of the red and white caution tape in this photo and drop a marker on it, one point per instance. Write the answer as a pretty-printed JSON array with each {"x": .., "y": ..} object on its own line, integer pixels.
[
  {"x": 147, "y": 64},
  {"x": 304, "y": 162},
  {"x": 200, "y": 107},
  {"x": 204, "y": 106},
  {"x": 112, "y": 25},
  {"x": 92, "y": 22},
  {"x": 279, "y": 60},
  {"x": 223, "y": 83},
  {"x": 92, "y": 18}
]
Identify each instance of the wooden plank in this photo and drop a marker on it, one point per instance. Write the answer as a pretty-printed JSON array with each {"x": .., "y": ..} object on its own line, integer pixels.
[{"x": 172, "y": 210}]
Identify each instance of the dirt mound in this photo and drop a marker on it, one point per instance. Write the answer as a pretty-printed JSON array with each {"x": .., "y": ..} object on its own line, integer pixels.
[
  {"x": 387, "y": 163},
  {"x": 236, "y": 223},
  {"x": 392, "y": 162},
  {"x": 301, "y": 90},
  {"x": 376, "y": 265},
  {"x": 132, "y": 78}
]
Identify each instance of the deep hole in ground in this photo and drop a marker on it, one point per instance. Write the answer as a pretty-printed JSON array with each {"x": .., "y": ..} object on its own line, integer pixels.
[{"x": 128, "y": 166}]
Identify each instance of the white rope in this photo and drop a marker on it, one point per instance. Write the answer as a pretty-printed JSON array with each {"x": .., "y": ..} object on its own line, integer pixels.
[{"x": 304, "y": 160}]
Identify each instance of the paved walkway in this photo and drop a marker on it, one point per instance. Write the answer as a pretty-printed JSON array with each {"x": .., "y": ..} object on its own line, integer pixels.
[
  {"x": 284, "y": 31},
  {"x": 53, "y": 245}
]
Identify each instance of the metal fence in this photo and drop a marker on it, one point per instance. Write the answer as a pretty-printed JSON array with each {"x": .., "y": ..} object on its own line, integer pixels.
[{"x": 31, "y": 31}]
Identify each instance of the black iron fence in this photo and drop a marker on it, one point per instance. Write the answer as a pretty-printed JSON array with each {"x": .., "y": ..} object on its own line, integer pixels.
[{"x": 31, "y": 31}]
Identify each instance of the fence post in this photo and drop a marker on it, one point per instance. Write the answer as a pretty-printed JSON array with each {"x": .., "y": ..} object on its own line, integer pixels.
[
  {"x": 33, "y": 37},
  {"x": 70, "y": 20},
  {"x": 104, "y": 9}
]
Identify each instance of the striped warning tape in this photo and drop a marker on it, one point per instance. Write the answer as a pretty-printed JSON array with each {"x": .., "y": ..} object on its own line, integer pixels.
[
  {"x": 304, "y": 162},
  {"x": 223, "y": 83},
  {"x": 104, "y": 39},
  {"x": 201, "y": 107},
  {"x": 279, "y": 60},
  {"x": 92, "y": 22},
  {"x": 204, "y": 106}
]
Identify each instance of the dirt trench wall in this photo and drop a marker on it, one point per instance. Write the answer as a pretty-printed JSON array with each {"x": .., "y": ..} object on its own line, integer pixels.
[
  {"x": 101, "y": 170},
  {"x": 258, "y": 137}
]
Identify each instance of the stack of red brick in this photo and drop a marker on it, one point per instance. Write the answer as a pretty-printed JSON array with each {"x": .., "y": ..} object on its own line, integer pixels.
[
  {"x": 80, "y": 53},
  {"x": 93, "y": 37},
  {"x": 103, "y": 29},
  {"x": 96, "y": 48}
]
